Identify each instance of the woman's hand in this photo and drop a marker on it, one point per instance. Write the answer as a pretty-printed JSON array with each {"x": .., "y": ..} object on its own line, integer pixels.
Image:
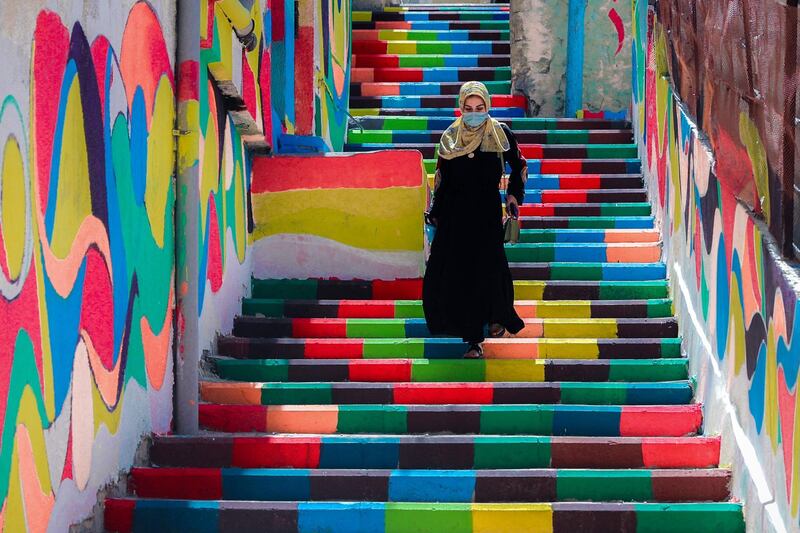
[
  {"x": 431, "y": 220},
  {"x": 512, "y": 206}
]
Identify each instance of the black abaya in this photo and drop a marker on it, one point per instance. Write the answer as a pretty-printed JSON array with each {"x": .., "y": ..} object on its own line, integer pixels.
[{"x": 467, "y": 281}]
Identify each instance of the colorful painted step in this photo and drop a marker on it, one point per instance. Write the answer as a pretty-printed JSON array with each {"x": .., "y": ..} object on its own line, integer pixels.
[
  {"x": 431, "y": 47},
  {"x": 430, "y": 35},
  {"x": 446, "y": 104},
  {"x": 528, "y": 419},
  {"x": 459, "y": 370},
  {"x": 439, "y": 25},
  {"x": 433, "y": 451},
  {"x": 442, "y": 393},
  {"x": 367, "y": 16},
  {"x": 245, "y": 326},
  {"x": 125, "y": 515},
  {"x": 432, "y": 74},
  {"x": 365, "y": 108},
  {"x": 382, "y": 122},
  {"x": 586, "y": 271},
  {"x": 587, "y": 222},
  {"x": 600, "y": 196},
  {"x": 278, "y": 308},
  {"x": 429, "y": 60},
  {"x": 419, "y": 88},
  {"x": 447, "y": 348},
  {"x": 465, "y": 486},
  {"x": 571, "y": 166},
  {"x": 529, "y": 151},
  {"x": 589, "y": 236},
  {"x": 526, "y": 137},
  {"x": 411, "y": 289}
]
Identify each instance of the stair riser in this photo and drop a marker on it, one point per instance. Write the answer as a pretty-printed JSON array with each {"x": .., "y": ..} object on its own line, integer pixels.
[
  {"x": 416, "y": 328},
  {"x": 602, "y": 421},
  {"x": 586, "y": 222},
  {"x": 430, "y": 35},
  {"x": 439, "y": 394},
  {"x": 432, "y": 75},
  {"x": 288, "y": 517},
  {"x": 530, "y": 137},
  {"x": 413, "y": 309},
  {"x": 412, "y": 290},
  {"x": 583, "y": 253},
  {"x": 431, "y": 103},
  {"x": 422, "y": 371},
  {"x": 433, "y": 486},
  {"x": 571, "y": 166},
  {"x": 420, "y": 89},
  {"x": 372, "y": 108},
  {"x": 441, "y": 16},
  {"x": 447, "y": 348},
  {"x": 516, "y": 124},
  {"x": 432, "y": 25},
  {"x": 436, "y": 452},
  {"x": 435, "y": 47},
  {"x": 568, "y": 236},
  {"x": 529, "y": 151},
  {"x": 430, "y": 60},
  {"x": 614, "y": 196},
  {"x": 585, "y": 210}
]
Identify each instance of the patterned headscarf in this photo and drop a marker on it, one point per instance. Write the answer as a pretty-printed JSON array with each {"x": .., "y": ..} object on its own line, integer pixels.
[{"x": 459, "y": 139}]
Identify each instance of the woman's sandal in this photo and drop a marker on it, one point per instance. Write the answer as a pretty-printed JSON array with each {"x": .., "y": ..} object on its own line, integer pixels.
[
  {"x": 496, "y": 331},
  {"x": 476, "y": 349}
]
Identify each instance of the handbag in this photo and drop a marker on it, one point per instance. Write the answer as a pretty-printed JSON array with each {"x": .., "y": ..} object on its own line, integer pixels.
[{"x": 511, "y": 230}]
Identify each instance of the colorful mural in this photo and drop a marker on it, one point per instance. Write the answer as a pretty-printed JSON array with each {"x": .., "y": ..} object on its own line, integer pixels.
[
  {"x": 743, "y": 95},
  {"x": 346, "y": 216},
  {"x": 745, "y": 295},
  {"x": 87, "y": 262},
  {"x": 295, "y": 81},
  {"x": 572, "y": 56},
  {"x": 224, "y": 189}
]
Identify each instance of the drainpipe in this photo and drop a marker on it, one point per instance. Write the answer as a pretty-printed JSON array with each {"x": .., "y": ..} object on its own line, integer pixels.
[{"x": 187, "y": 169}]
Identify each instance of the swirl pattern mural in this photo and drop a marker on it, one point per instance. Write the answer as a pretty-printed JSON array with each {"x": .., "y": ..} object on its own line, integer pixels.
[
  {"x": 746, "y": 294},
  {"x": 294, "y": 86},
  {"x": 86, "y": 264}
]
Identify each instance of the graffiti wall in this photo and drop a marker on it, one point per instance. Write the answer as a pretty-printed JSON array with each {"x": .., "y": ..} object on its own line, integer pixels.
[
  {"x": 291, "y": 87},
  {"x": 735, "y": 296},
  {"x": 572, "y": 56},
  {"x": 351, "y": 216},
  {"x": 86, "y": 250},
  {"x": 734, "y": 64}
]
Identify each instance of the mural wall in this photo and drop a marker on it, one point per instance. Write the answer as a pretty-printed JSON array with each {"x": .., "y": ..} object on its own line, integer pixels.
[
  {"x": 86, "y": 250},
  {"x": 223, "y": 267},
  {"x": 346, "y": 216},
  {"x": 293, "y": 85},
  {"x": 734, "y": 294},
  {"x": 734, "y": 64},
  {"x": 572, "y": 56},
  {"x": 270, "y": 77}
]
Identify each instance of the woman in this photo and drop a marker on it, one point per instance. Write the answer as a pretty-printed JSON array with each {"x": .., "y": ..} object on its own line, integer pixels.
[{"x": 468, "y": 283}]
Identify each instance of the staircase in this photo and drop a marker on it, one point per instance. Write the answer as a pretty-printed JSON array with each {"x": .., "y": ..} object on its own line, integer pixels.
[{"x": 335, "y": 410}]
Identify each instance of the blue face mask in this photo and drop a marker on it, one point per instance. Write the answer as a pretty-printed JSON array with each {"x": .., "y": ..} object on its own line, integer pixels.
[{"x": 473, "y": 120}]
